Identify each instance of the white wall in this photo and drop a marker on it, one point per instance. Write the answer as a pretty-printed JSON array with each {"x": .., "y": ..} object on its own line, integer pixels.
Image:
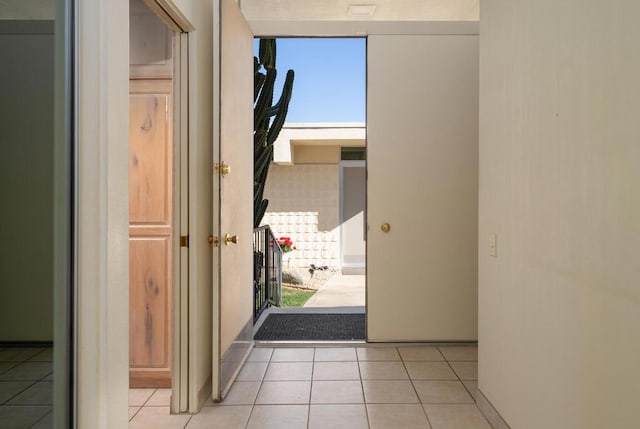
[
  {"x": 26, "y": 175},
  {"x": 304, "y": 203},
  {"x": 559, "y": 184}
]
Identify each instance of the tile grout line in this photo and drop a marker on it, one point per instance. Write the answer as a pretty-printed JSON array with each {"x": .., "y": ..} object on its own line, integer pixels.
[
  {"x": 135, "y": 414},
  {"x": 33, "y": 383},
  {"x": 188, "y": 421},
  {"x": 475, "y": 402},
  {"x": 15, "y": 364},
  {"x": 313, "y": 368},
  {"x": 364, "y": 398},
  {"x": 253, "y": 404},
  {"x": 458, "y": 377},
  {"x": 42, "y": 418},
  {"x": 404, "y": 365},
  {"x": 38, "y": 354}
]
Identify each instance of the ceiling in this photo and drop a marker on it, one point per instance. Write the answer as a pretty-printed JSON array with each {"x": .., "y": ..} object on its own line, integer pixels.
[
  {"x": 302, "y": 10},
  {"x": 383, "y": 10},
  {"x": 27, "y": 9}
]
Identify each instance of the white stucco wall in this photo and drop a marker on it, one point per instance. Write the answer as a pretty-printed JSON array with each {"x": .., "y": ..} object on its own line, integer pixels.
[{"x": 304, "y": 202}]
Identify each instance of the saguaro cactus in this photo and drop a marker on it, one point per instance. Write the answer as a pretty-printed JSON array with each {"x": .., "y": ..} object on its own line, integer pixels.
[{"x": 265, "y": 131}]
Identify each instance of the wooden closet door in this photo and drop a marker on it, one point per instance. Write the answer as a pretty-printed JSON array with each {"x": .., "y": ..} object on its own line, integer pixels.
[{"x": 150, "y": 232}]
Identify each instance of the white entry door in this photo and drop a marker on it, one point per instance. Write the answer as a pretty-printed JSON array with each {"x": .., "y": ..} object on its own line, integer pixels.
[
  {"x": 422, "y": 184},
  {"x": 233, "y": 200}
]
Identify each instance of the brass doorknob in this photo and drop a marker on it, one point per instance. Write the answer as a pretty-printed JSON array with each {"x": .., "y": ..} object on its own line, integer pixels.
[
  {"x": 228, "y": 239},
  {"x": 385, "y": 227},
  {"x": 225, "y": 169}
]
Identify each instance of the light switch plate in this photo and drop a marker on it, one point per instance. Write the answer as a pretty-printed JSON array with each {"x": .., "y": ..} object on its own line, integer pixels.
[{"x": 493, "y": 245}]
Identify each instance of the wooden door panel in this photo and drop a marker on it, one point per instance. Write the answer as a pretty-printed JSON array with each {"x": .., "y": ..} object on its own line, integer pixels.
[
  {"x": 150, "y": 233},
  {"x": 150, "y": 153},
  {"x": 149, "y": 302}
]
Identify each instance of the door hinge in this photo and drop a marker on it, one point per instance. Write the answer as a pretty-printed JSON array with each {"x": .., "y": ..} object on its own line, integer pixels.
[
  {"x": 184, "y": 241},
  {"x": 221, "y": 168}
]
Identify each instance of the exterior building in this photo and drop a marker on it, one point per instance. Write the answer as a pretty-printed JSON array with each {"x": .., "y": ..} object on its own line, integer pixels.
[
  {"x": 528, "y": 202},
  {"x": 313, "y": 201}
]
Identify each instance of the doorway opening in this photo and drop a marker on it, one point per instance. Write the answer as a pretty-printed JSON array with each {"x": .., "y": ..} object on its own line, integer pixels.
[
  {"x": 316, "y": 188},
  {"x": 158, "y": 214}
]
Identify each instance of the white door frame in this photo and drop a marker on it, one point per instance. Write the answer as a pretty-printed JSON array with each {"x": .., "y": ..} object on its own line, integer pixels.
[
  {"x": 180, "y": 303},
  {"x": 180, "y": 26}
]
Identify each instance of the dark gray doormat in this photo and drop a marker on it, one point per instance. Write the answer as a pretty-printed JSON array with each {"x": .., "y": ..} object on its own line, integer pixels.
[{"x": 311, "y": 327}]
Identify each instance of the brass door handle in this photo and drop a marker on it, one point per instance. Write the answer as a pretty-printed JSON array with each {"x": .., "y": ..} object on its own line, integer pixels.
[
  {"x": 225, "y": 169},
  {"x": 228, "y": 239},
  {"x": 221, "y": 168},
  {"x": 385, "y": 227}
]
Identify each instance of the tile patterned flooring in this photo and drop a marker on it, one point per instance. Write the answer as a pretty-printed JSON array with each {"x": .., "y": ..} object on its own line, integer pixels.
[
  {"x": 368, "y": 387},
  {"x": 26, "y": 388},
  {"x": 372, "y": 386}
]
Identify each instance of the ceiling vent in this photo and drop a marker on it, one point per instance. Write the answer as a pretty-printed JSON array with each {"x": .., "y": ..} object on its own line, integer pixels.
[{"x": 361, "y": 10}]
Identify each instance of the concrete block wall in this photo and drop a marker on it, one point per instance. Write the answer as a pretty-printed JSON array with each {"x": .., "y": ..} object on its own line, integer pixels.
[{"x": 304, "y": 203}]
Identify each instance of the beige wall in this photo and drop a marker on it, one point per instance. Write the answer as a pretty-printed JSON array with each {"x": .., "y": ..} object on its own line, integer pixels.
[
  {"x": 316, "y": 154},
  {"x": 26, "y": 174},
  {"x": 559, "y": 184},
  {"x": 304, "y": 205}
]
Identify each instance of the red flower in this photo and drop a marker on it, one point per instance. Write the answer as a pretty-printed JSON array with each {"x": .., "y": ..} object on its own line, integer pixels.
[{"x": 286, "y": 244}]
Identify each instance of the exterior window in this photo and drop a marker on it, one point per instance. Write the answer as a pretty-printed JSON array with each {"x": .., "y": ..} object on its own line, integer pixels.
[{"x": 353, "y": 154}]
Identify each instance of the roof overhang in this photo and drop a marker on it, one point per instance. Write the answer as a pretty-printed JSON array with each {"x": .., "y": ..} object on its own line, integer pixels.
[{"x": 316, "y": 134}]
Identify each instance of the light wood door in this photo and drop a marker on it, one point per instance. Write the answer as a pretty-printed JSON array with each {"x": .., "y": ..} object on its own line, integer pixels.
[
  {"x": 422, "y": 161},
  {"x": 235, "y": 195},
  {"x": 150, "y": 232}
]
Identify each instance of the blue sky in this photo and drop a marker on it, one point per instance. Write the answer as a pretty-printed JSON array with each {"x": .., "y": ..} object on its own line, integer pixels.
[{"x": 329, "y": 84}]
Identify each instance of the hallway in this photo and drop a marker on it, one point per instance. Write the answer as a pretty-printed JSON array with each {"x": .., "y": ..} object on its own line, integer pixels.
[{"x": 361, "y": 387}]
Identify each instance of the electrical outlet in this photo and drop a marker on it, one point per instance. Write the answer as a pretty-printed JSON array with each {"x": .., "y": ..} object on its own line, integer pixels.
[{"x": 493, "y": 245}]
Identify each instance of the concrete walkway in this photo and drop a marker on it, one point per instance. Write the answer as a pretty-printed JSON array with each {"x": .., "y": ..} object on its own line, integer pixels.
[{"x": 340, "y": 291}]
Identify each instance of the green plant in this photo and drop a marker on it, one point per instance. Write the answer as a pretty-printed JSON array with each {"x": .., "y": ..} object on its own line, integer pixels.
[{"x": 266, "y": 130}]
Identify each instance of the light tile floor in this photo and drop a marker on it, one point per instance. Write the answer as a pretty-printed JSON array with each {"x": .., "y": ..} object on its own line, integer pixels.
[
  {"x": 376, "y": 387},
  {"x": 26, "y": 391}
]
